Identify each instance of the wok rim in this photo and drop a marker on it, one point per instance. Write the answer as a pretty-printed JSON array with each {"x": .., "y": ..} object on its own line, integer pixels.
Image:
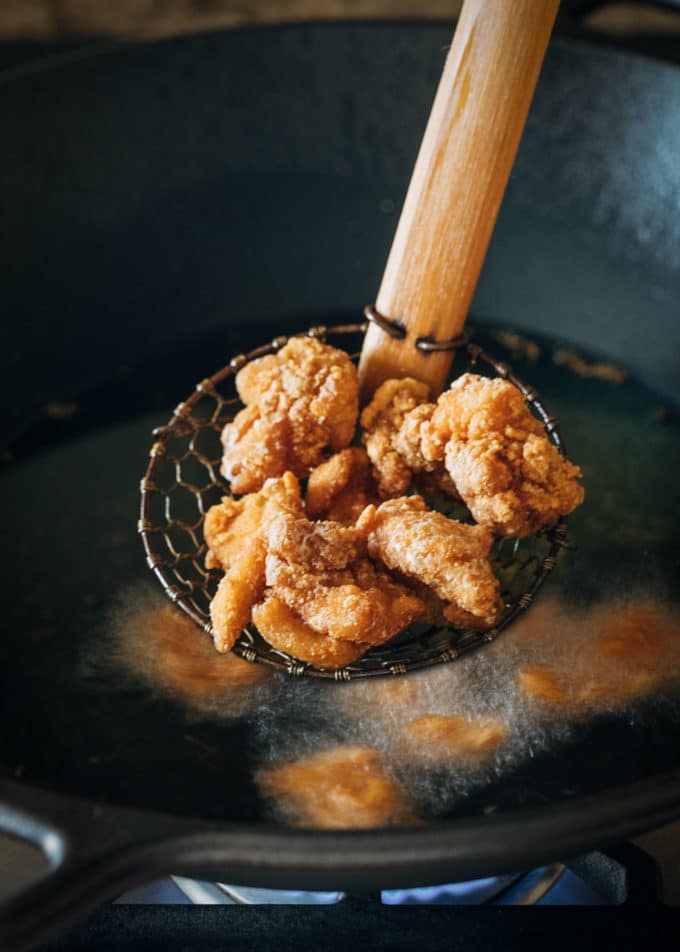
[{"x": 467, "y": 846}]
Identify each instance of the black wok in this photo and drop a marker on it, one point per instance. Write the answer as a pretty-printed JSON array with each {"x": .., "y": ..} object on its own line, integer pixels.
[{"x": 169, "y": 205}]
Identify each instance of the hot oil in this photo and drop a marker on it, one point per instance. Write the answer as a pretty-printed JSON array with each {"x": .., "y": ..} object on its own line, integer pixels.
[
  {"x": 425, "y": 741},
  {"x": 447, "y": 732},
  {"x": 159, "y": 646}
]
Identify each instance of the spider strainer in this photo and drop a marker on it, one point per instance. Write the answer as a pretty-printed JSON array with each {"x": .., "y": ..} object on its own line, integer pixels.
[
  {"x": 451, "y": 205},
  {"x": 183, "y": 480}
]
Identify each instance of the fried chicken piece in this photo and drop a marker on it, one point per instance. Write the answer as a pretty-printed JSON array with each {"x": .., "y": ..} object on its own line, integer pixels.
[
  {"x": 382, "y": 421},
  {"x": 232, "y": 525},
  {"x": 229, "y": 526},
  {"x": 342, "y": 788},
  {"x": 407, "y": 438},
  {"x": 449, "y": 557},
  {"x": 440, "y": 736},
  {"x": 234, "y": 532},
  {"x": 431, "y": 476},
  {"x": 309, "y": 546},
  {"x": 508, "y": 473},
  {"x": 433, "y": 605},
  {"x": 285, "y": 630},
  {"x": 301, "y": 403},
  {"x": 255, "y": 449},
  {"x": 359, "y": 604},
  {"x": 320, "y": 571},
  {"x": 342, "y": 487},
  {"x": 236, "y": 594}
]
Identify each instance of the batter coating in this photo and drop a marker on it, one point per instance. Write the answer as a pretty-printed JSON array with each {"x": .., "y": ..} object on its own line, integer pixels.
[
  {"x": 320, "y": 571},
  {"x": 285, "y": 630},
  {"x": 449, "y": 557},
  {"x": 342, "y": 487}
]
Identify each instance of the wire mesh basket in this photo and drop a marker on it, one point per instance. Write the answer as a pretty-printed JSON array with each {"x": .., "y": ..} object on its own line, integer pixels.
[{"x": 183, "y": 480}]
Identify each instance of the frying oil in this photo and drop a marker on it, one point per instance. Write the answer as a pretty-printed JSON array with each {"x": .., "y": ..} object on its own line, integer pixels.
[{"x": 437, "y": 735}]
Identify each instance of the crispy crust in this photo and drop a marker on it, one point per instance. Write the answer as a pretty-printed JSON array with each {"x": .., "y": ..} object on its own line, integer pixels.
[
  {"x": 449, "y": 557},
  {"x": 342, "y": 487},
  {"x": 381, "y": 421}
]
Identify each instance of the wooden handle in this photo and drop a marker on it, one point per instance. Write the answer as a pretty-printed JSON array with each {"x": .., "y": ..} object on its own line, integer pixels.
[{"x": 457, "y": 185}]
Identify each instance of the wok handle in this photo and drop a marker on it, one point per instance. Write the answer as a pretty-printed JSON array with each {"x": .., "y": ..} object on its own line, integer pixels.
[
  {"x": 457, "y": 185},
  {"x": 93, "y": 854}
]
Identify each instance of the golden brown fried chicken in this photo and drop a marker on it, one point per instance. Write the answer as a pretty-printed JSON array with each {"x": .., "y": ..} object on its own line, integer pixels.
[
  {"x": 301, "y": 405},
  {"x": 341, "y": 788},
  {"x": 449, "y": 557},
  {"x": 234, "y": 533},
  {"x": 320, "y": 571},
  {"x": 382, "y": 420},
  {"x": 430, "y": 476},
  {"x": 342, "y": 487},
  {"x": 285, "y": 630},
  {"x": 229, "y": 525},
  {"x": 508, "y": 473},
  {"x": 236, "y": 594}
]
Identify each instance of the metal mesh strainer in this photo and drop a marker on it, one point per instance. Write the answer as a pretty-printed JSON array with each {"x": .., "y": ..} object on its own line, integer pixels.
[{"x": 183, "y": 480}]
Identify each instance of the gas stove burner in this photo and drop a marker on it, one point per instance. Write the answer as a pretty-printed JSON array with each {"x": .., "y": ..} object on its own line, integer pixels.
[
  {"x": 622, "y": 875},
  {"x": 553, "y": 884}
]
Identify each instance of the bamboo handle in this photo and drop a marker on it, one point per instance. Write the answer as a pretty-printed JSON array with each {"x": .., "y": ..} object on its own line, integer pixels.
[{"x": 457, "y": 185}]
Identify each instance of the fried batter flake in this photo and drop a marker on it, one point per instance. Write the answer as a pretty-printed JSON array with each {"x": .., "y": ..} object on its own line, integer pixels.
[
  {"x": 320, "y": 571},
  {"x": 382, "y": 420},
  {"x": 342, "y": 487},
  {"x": 439, "y": 736},
  {"x": 508, "y": 473},
  {"x": 302, "y": 403},
  {"x": 346, "y": 787},
  {"x": 449, "y": 557}
]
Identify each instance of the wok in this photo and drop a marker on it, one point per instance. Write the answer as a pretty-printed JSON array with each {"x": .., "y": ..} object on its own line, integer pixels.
[{"x": 168, "y": 205}]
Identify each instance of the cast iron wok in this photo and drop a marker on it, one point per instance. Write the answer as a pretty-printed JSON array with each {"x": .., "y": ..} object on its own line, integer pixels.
[{"x": 167, "y": 206}]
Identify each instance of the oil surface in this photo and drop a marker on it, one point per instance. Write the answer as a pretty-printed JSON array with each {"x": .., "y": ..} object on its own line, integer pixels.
[{"x": 97, "y": 708}]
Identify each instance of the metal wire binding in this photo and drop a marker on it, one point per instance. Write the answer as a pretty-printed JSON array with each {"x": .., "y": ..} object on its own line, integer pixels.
[
  {"x": 183, "y": 480},
  {"x": 427, "y": 344},
  {"x": 391, "y": 327}
]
